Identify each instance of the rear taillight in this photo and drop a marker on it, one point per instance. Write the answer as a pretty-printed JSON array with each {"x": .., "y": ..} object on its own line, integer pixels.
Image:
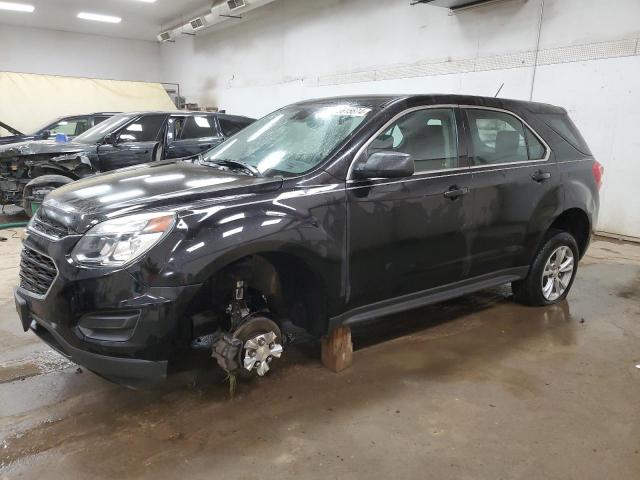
[{"x": 598, "y": 173}]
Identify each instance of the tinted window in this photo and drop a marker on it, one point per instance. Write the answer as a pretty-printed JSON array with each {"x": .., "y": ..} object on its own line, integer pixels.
[
  {"x": 175, "y": 125},
  {"x": 537, "y": 151},
  {"x": 97, "y": 120},
  {"x": 564, "y": 127},
  {"x": 429, "y": 136},
  {"x": 71, "y": 127},
  {"x": 231, "y": 127},
  {"x": 199, "y": 126},
  {"x": 496, "y": 137},
  {"x": 144, "y": 129}
]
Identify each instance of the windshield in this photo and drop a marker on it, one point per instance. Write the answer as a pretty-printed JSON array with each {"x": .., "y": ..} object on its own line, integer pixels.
[
  {"x": 96, "y": 134},
  {"x": 293, "y": 140}
]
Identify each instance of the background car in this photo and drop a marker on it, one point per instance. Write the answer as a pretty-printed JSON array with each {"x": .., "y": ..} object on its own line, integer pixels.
[
  {"x": 30, "y": 170},
  {"x": 71, "y": 126}
]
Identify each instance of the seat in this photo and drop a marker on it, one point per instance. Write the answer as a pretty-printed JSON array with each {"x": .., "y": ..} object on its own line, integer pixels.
[
  {"x": 425, "y": 144},
  {"x": 507, "y": 143}
]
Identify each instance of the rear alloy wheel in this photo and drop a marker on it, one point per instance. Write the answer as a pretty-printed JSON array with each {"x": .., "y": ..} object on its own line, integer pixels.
[
  {"x": 552, "y": 272},
  {"x": 557, "y": 273}
]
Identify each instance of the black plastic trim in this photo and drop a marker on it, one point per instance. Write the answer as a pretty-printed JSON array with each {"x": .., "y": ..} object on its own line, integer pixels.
[{"x": 427, "y": 297}]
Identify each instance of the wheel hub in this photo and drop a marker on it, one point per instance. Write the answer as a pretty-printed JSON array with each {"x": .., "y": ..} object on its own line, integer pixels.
[{"x": 260, "y": 350}]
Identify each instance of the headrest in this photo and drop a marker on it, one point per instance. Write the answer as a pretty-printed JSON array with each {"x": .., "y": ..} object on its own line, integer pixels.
[{"x": 382, "y": 142}]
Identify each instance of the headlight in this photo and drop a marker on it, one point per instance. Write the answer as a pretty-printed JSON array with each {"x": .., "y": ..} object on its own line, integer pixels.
[{"x": 116, "y": 242}]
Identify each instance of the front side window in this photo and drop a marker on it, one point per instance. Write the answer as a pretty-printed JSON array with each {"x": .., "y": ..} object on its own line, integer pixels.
[
  {"x": 429, "y": 136},
  {"x": 231, "y": 127},
  {"x": 144, "y": 129},
  {"x": 99, "y": 119},
  {"x": 499, "y": 137},
  {"x": 99, "y": 132},
  {"x": 293, "y": 140},
  {"x": 199, "y": 126}
]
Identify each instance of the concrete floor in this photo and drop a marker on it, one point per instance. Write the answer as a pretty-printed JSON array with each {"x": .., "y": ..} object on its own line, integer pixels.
[{"x": 478, "y": 388}]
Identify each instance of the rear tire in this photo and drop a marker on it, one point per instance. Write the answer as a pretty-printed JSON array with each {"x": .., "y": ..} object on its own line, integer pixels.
[{"x": 552, "y": 272}]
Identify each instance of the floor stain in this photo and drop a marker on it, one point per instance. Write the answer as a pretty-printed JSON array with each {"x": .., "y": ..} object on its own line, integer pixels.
[{"x": 632, "y": 291}]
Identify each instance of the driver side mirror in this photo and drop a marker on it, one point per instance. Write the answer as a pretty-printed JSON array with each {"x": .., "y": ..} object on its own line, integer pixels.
[
  {"x": 111, "y": 139},
  {"x": 46, "y": 134},
  {"x": 385, "y": 164}
]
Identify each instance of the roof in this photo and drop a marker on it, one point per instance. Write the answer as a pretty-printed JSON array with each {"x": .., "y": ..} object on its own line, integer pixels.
[{"x": 438, "y": 99}]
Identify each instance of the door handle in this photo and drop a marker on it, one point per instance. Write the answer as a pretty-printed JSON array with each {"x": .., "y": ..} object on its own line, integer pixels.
[
  {"x": 455, "y": 192},
  {"x": 540, "y": 176}
]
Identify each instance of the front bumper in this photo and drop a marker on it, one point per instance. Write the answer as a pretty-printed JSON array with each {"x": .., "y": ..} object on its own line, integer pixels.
[
  {"x": 132, "y": 372},
  {"x": 109, "y": 323}
]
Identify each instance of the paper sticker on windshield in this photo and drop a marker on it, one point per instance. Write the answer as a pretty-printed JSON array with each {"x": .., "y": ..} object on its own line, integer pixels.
[{"x": 346, "y": 110}]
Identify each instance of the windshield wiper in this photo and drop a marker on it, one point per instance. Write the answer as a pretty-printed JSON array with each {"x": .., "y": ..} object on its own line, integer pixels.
[{"x": 235, "y": 163}]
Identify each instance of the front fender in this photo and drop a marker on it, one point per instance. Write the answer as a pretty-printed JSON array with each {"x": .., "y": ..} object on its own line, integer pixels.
[{"x": 309, "y": 224}]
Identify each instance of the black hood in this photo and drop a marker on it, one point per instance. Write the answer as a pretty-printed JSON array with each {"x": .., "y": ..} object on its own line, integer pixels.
[
  {"x": 173, "y": 185},
  {"x": 43, "y": 147},
  {"x": 16, "y": 138}
]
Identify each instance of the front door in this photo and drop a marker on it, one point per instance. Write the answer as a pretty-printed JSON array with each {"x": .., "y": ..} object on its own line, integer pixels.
[
  {"x": 187, "y": 136},
  {"x": 408, "y": 235},
  {"x": 516, "y": 190},
  {"x": 136, "y": 143}
]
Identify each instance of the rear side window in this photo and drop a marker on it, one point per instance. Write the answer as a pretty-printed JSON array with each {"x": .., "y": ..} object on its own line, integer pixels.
[
  {"x": 563, "y": 126},
  {"x": 144, "y": 129},
  {"x": 199, "y": 126},
  {"x": 537, "y": 151},
  {"x": 499, "y": 137}
]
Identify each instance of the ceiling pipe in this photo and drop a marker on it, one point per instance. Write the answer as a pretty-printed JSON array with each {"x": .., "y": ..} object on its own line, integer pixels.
[{"x": 220, "y": 12}]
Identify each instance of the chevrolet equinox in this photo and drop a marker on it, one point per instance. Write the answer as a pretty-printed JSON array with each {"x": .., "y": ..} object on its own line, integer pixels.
[{"x": 324, "y": 213}]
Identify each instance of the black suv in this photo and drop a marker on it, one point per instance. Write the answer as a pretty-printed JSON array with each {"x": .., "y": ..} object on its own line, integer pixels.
[
  {"x": 71, "y": 126},
  {"x": 324, "y": 213},
  {"x": 30, "y": 170}
]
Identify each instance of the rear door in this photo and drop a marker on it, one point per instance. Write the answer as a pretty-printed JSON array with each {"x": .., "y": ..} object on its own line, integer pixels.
[
  {"x": 191, "y": 135},
  {"x": 516, "y": 189},
  {"x": 410, "y": 234},
  {"x": 136, "y": 143}
]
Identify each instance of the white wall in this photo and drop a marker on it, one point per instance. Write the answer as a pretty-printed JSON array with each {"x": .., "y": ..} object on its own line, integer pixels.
[
  {"x": 295, "y": 49},
  {"x": 52, "y": 52}
]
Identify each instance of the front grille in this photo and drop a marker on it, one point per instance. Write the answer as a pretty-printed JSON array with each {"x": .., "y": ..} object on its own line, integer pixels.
[
  {"x": 49, "y": 227},
  {"x": 37, "y": 271}
]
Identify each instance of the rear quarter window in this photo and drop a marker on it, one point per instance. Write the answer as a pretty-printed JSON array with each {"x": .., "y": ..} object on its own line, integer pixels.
[{"x": 563, "y": 126}]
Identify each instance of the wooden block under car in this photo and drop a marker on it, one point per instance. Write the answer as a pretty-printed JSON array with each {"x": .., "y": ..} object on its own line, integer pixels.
[{"x": 337, "y": 349}]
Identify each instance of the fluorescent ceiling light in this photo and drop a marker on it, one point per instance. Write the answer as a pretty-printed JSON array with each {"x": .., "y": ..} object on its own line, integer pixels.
[
  {"x": 17, "y": 7},
  {"x": 147, "y": 1},
  {"x": 99, "y": 18}
]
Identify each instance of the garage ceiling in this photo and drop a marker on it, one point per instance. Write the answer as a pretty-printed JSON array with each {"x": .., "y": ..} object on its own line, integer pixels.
[{"x": 140, "y": 20}]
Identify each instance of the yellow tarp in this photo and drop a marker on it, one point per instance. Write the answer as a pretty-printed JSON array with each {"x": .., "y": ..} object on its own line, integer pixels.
[{"x": 29, "y": 101}]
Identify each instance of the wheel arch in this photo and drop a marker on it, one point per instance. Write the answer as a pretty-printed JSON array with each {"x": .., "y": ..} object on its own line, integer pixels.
[
  {"x": 575, "y": 221},
  {"x": 293, "y": 287}
]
